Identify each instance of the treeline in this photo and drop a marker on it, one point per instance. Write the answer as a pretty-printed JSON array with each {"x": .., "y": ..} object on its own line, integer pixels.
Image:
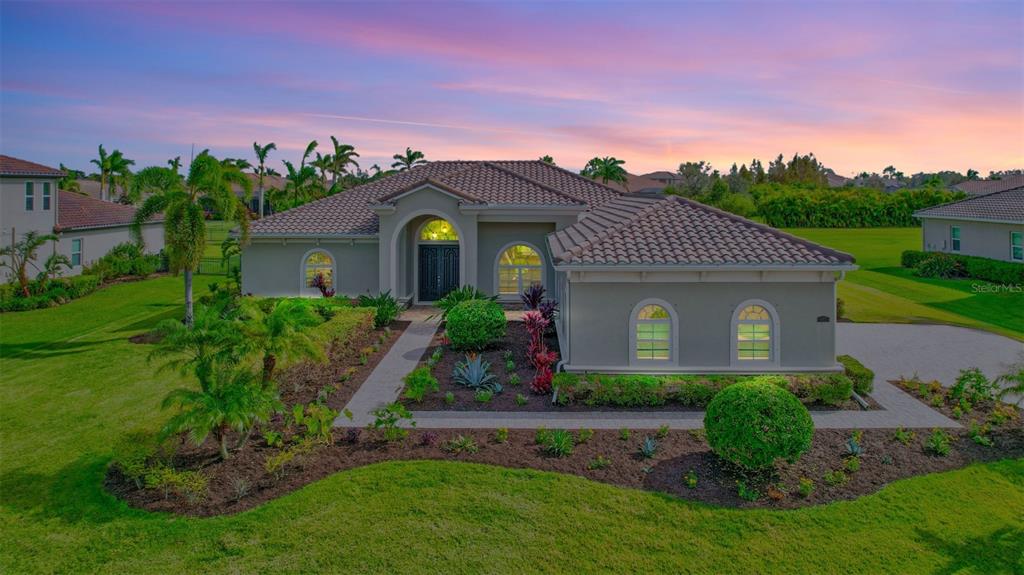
[{"x": 783, "y": 206}]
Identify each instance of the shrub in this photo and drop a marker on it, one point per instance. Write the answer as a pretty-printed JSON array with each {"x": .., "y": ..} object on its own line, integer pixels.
[
  {"x": 753, "y": 424},
  {"x": 460, "y": 444},
  {"x": 624, "y": 434},
  {"x": 501, "y": 435},
  {"x": 449, "y": 398},
  {"x": 125, "y": 259},
  {"x": 940, "y": 265},
  {"x": 979, "y": 434},
  {"x": 474, "y": 373},
  {"x": 317, "y": 419},
  {"x": 785, "y": 207},
  {"x": 558, "y": 443},
  {"x": 805, "y": 487},
  {"x": 475, "y": 324},
  {"x": 483, "y": 396},
  {"x": 599, "y": 462},
  {"x": 972, "y": 385},
  {"x": 835, "y": 478},
  {"x": 853, "y": 447},
  {"x": 512, "y": 380},
  {"x": 418, "y": 383},
  {"x": 662, "y": 432},
  {"x": 428, "y": 439},
  {"x": 521, "y": 399},
  {"x": 457, "y": 296},
  {"x": 273, "y": 438},
  {"x": 833, "y": 390},
  {"x": 690, "y": 479},
  {"x": 192, "y": 485},
  {"x": 863, "y": 378},
  {"x": 975, "y": 267},
  {"x": 389, "y": 418},
  {"x": 385, "y": 306},
  {"x": 938, "y": 443},
  {"x": 852, "y": 464},
  {"x": 537, "y": 352},
  {"x": 584, "y": 435},
  {"x": 746, "y": 491}
]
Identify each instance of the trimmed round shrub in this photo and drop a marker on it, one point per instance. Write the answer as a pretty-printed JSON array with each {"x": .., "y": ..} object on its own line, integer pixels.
[
  {"x": 475, "y": 324},
  {"x": 755, "y": 423}
]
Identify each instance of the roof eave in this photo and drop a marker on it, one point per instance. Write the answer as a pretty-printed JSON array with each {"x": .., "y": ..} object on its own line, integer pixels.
[
  {"x": 846, "y": 266},
  {"x": 923, "y": 216}
]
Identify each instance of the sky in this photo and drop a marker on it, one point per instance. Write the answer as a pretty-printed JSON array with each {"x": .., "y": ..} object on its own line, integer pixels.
[{"x": 921, "y": 86}]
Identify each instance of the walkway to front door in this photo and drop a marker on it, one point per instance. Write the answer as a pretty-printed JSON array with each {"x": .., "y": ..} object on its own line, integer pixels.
[{"x": 438, "y": 271}]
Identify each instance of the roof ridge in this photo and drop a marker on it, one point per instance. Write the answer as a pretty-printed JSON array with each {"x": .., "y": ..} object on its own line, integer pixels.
[
  {"x": 579, "y": 176},
  {"x": 541, "y": 185},
  {"x": 609, "y": 231}
]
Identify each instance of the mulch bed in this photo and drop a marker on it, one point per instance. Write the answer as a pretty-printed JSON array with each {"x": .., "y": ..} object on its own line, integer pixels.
[{"x": 517, "y": 340}]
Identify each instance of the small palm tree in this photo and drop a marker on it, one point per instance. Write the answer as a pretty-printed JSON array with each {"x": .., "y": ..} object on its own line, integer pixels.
[
  {"x": 1012, "y": 382},
  {"x": 69, "y": 183},
  {"x": 52, "y": 268},
  {"x": 410, "y": 159},
  {"x": 182, "y": 205},
  {"x": 261, "y": 167},
  {"x": 21, "y": 254},
  {"x": 547, "y": 159},
  {"x": 234, "y": 400},
  {"x": 607, "y": 169},
  {"x": 283, "y": 333},
  {"x": 213, "y": 338}
]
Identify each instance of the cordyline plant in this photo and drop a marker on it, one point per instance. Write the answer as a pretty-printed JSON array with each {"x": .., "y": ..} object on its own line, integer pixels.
[
  {"x": 538, "y": 353},
  {"x": 320, "y": 283}
]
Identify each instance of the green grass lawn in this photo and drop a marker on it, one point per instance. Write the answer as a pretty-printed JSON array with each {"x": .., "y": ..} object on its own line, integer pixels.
[
  {"x": 882, "y": 291},
  {"x": 216, "y": 232},
  {"x": 71, "y": 387}
]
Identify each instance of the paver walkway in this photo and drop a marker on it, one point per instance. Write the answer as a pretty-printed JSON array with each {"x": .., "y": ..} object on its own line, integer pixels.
[{"x": 891, "y": 350}]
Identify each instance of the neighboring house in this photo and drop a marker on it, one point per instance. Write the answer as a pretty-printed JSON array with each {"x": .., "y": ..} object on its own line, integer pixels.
[
  {"x": 86, "y": 227},
  {"x": 270, "y": 183},
  {"x": 664, "y": 178},
  {"x": 646, "y": 284},
  {"x": 982, "y": 187},
  {"x": 989, "y": 226}
]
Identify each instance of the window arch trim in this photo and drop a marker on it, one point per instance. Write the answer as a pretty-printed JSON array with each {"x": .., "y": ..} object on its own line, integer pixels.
[
  {"x": 308, "y": 291},
  {"x": 673, "y": 347},
  {"x": 497, "y": 268},
  {"x": 773, "y": 335}
]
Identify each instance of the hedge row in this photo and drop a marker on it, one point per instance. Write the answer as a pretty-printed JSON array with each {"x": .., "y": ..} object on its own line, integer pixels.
[
  {"x": 51, "y": 294},
  {"x": 986, "y": 269},
  {"x": 847, "y": 208}
]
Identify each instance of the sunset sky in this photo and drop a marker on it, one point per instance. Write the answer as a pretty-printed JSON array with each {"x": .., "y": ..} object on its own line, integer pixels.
[{"x": 923, "y": 86}]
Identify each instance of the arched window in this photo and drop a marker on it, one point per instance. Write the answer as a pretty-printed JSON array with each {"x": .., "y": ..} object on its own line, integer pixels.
[
  {"x": 317, "y": 262},
  {"x": 519, "y": 266},
  {"x": 755, "y": 334},
  {"x": 653, "y": 333},
  {"x": 438, "y": 230}
]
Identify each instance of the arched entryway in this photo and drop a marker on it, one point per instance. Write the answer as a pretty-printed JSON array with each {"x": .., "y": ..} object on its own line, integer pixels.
[{"x": 437, "y": 259}]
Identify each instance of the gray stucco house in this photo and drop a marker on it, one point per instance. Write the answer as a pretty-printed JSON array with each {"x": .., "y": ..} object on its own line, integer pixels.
[
  {"x": 86, "y": 227},
  {"x": 989, "y": 225},
  {"x": 646, "y": 283}
]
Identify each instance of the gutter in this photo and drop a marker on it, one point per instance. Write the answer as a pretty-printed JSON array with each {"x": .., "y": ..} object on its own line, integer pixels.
[{"x": 704, "y": 267}]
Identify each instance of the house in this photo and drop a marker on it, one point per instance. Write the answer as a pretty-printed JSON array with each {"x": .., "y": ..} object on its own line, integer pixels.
[
  {"x": 663, "y": 177},
  {"x": 646, "y": 283},
  {"x": 989, "y": 225},
  {"x": 982, "y": 187},
  {"x": 86, "y": 227}
]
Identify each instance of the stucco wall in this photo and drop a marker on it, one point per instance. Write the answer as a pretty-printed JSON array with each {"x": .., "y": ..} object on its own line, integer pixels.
[
  {"x": 599, "y": 319},
  {"x": 13, "y": 213},
  {"x": 96, "y": 243},
  {"x": 275, "y": 268},
  {"x": 984, "y": 239},
  {"x": 495, "y": 236}
]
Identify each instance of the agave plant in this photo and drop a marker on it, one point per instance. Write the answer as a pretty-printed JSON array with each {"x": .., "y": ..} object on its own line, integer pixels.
[{"x": 474, "y": 373}]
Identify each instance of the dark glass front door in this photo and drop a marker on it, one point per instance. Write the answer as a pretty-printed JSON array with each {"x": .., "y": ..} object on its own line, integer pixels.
[{"x": 438, "y": 271}]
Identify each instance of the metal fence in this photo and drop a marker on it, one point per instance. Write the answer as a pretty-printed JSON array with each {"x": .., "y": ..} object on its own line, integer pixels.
[{"x": 216, "y": 266}]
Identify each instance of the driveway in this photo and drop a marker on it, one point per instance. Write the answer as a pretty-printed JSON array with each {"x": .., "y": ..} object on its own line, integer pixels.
[{"x": 931, "y": 351}]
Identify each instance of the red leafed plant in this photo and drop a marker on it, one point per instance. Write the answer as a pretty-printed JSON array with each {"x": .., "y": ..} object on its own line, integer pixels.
[
  {"x": 320, "y": 282},
  {"x": 538, "y": 353}
]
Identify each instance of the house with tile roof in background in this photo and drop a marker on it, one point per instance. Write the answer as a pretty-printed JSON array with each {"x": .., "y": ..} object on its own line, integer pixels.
[
  {"x": 645, "y": 283},
  {"x": 86, "y": 227},
  {"x": 988, "y": 225}
]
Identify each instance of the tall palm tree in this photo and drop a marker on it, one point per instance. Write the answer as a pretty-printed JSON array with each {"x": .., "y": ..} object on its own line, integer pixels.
[
  {"x": 310, "y": 148},
  {"x": 21, "y": 254},
  {"x": 174, "y": 163},
  {"x": 297, "y": 182},
  {"x": 120, "y": 174},
  {"x": 103, "y": 163},
  {"x": 410, "y": 159},
  {"x": 322, "y": 163},
  {"x": 182, "y": 205},
  {"x": 342, "y": 158},
  {"x": 607, "y": 169},
  {"x": 261, "y": 166}
]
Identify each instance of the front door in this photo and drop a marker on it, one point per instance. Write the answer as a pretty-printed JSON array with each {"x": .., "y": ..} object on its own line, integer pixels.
[{"x": 438, "y": 271}]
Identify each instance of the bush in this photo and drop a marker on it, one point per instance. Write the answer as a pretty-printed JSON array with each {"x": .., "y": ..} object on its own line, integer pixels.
[
  {"x": 753, "y": 424},
  {"x": 973, "y": 387},
  {"x": 979, "y": 268},
  {"x": 834, "y": 390},
  {"x": 126, "y": 259},
  {"x": 558, "y": 443},
  {"x": 455, "y": 297},
  {"x": 787, "y": 207},
  {"x": 739, "y": 204},
  {"x": 418, "y": 383},
  {"x": 862, "y": 377},
  {"x": 386, "y": 307},
  {"x": 940, "y": 265},
  {"x": 475, "y": 324}
]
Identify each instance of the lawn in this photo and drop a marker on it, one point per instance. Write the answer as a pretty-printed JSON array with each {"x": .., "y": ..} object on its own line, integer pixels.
[
  {"x": 882, "y": 291},
  {"x": 216, "y": 232},
  {"x": 71, "y": 386}
]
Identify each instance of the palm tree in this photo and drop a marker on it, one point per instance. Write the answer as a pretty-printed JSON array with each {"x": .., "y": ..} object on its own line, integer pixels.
[
  {"x": 120, "y": 174},
  {"x": 103, "y": 163},
  {"x": 182, "y": 205},
  {"x": 342, "y": 157},
  {"x": 261, "y": 167},
  {"x": 297, "y": 182},
  {"x": 175, "y": 164},
  {"x": 234, "y": 400},
  {"x": 282, "y": 333},
  {"x": 69, "y": 183},
  {"x": 214, "y": 338},
  {"x": 309, "y": 152},
  {"x": 410, "y": 159},
  {"x": 21, "y": 254},
  {"x": 547, "y": 159},
  {"x": 51, "y": 269},
  {"x": 608, "y": 169},
  {"x": 322, "y": 163}
]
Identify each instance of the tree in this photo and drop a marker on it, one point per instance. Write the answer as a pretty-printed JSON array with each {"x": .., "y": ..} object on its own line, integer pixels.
[
  {"x": 234, "y": 400},
  {"x": 310, "y": 148},
  {"x": 607, "y": 169},
  {"x": 261, "y": 167},
  {"x": 738, "y": 180},
  {"x": 298, "y": 183},
  {"x": 182, "y": 202},
  {"x": 281, "y": 333},
  {"x": 103, "y": 163},
  {"x": 547, "y": 160},
  {"x": 175, "y": 164},
  {"x": 322, "y": 163},
  {"x": 694, "y": 178},
  {"x": 52, "y": 267},
  {"x": 120, "y": 175},
  {"x": 21, "y": 254},
  {"x": 343, "y": 156},
  {"x": 69, "y": 182},
  {"x": 777, "y": 170},
  {"x": 410, "y": 159},
  {"x": 757, "y": 171},
  {"x": 972, "y": 174},
  {"x": 806, "y": 171},
  {"x": 892, "y": 173},
  {"x": 213, "y": 338}
]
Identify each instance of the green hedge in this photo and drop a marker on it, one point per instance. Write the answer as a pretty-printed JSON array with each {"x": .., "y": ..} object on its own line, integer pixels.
[
  {"x": 863, "y": 378},
  {"x": 50, "y": 294},
  {"x": 974, "y": 267},
  {"x": 784, "y": 207},
  {"x": 475, "y": 324},
  {"x": 689, "y": 390}
]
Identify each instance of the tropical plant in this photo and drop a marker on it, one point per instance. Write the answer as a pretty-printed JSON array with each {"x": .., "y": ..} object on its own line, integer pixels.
[
  {"x": 22, "y": 253},
  {"x": 184, "y": 218},
  {"x": 299, "y": 184},
  {"x": 52, "y": 268},
  {"x": 537, "y": 352},
  {"x": 938, "y": 443},
  {"x": 457, "y": 296},
  {"x": 69, "y": 182},
  {"x": 533, "y": 296},
  {"x": 282, "y": 333},
  {"x": 389, "y": 419},
  {"x": 475, "y": 373},
  {"x": 343, "y": 156},
  {"x": 408, "y": 160},
  {"x": 103, "y": 163},
  {"x": 547, "y": 159},
  {"x": 418, "y": 383},
  {"x": 120, "y": 175},
  {"x": 606, "y": 169},
  {"x": 320, "y": 283},
  {"x": 1012, "y": 383},
  {"x": 261, "y": 168},
  {"x": 317, "y": 419},
  {"x": 972, "y": 385},
  {"x": 460, "y": 444},
  {"x": 648, "y": 448},
  {"x": 558, "y": 443},
  {"x": 213, "y": 338},
  {"x": 385, "y": 306},
  {"x": 233, "y": 400}
]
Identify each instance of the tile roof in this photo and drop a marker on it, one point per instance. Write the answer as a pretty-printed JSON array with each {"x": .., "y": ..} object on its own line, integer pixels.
[
  {"x": 982, "y": 187},
  {"x": 14, "y": 167},
  {"x": 80, "y": 212},
  {"x": 638, "y": 185},
  {"x": 500, "y": 183},
  {"x": 671, "y": 230},
  {"x": 1007, "y": 206}
]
